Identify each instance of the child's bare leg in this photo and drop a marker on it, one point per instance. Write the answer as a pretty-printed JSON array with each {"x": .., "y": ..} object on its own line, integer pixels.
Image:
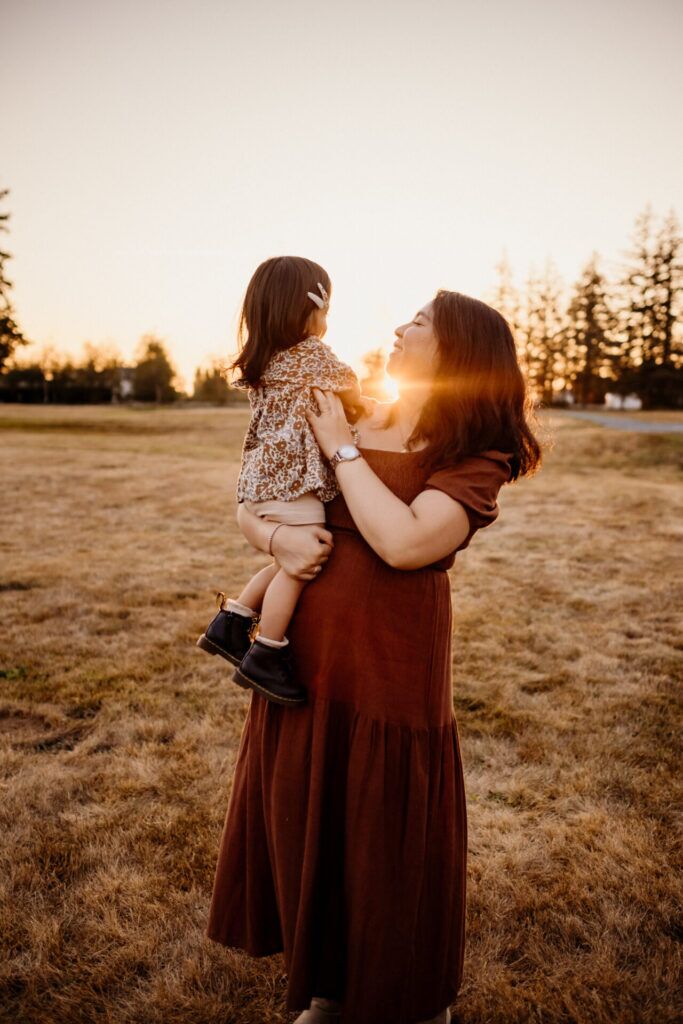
[
  {"x": 253, "y": 593},
  {"x": 278, "y": 605}
]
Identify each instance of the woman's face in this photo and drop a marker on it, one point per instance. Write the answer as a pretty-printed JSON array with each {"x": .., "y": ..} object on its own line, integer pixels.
[{"x": 415, "y": 354}]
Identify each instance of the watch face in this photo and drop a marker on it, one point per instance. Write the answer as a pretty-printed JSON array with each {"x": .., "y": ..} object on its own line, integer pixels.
[{"x": 348, "y": 451}]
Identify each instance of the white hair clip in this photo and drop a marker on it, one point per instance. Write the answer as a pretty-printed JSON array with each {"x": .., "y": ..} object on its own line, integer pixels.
[{"x": 321, "y": 303}]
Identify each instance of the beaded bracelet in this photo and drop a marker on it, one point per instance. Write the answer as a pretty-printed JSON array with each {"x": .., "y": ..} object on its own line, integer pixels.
[{"x": 270, "y": 542}]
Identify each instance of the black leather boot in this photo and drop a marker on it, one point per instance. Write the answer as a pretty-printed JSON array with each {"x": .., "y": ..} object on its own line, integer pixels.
[
  {"x": 268, "y": 671},
  {"x": 228, "y": 634}
]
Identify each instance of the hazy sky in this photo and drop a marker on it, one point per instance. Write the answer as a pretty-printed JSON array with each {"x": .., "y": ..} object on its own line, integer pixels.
[{"x": 156, "y": 152}]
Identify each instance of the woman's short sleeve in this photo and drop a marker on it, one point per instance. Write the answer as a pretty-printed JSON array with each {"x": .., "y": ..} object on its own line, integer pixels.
[{"x": 475, "y": 482}]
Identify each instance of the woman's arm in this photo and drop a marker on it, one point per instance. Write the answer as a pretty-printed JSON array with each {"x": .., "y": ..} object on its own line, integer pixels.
[
  {"x": 298, "y": 549},
  {"x": 404, "y": 536}
]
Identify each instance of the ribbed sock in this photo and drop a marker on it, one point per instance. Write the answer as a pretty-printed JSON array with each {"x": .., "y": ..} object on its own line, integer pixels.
[
  {"x": 240, "y": 609},
  {"x": 272, "y": 643}
]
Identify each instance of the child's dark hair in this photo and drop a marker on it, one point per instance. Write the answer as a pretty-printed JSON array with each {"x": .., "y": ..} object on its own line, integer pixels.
[{"x": 275, "y": 310}]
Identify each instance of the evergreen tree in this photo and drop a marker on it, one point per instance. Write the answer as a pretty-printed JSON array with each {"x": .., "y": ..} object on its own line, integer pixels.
[
  {"x": 211, "y": 386},
  {"x": 649, "y": 289},
  {"x": 505, "y": 296},
  {"x": 10, "y": 335},
  {"x": 543, "y": 334},
  {"x": 154, "y": 373},
  {"x": 668, "y": 273},
  {"x": 526, "y": 341},
  {"x": 589, "y": 335},
  {"x": 637, "y": 289}
]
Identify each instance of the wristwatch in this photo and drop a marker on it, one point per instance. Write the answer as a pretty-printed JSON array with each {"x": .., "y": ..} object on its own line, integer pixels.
[{"x": 346, "y": 453}]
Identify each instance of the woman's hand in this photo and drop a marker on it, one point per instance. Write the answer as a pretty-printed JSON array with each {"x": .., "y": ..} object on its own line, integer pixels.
[
  {"x": 302, "y": 550},
  {"x": 330, "y": 426}
]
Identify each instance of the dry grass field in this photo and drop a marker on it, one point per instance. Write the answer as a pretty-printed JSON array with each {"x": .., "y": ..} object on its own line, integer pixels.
[{"x": 118, "y": 737}]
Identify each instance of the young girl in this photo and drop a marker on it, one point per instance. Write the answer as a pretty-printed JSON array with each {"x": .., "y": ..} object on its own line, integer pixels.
[{"x": 284, "y": 476}]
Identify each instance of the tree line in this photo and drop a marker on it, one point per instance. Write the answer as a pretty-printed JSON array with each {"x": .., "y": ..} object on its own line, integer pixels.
[
  {"x": 620, "y": 332},
  {"x": 98, "y": 376}
]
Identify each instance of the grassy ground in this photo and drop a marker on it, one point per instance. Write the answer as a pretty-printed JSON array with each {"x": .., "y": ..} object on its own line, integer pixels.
[
  {"x": 118, "y": 737},
  {"x": 644, "y": 415}
]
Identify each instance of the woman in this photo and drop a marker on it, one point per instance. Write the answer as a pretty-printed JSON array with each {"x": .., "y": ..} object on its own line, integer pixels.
[{"x": 345, "y": 839}]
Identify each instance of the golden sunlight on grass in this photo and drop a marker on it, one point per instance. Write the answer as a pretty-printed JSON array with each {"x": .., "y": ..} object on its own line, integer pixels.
[{"x": 118, "y": 737}]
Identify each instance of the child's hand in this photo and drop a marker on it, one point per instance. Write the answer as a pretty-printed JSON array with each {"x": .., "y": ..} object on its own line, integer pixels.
[{"x": 330, "y": 426}]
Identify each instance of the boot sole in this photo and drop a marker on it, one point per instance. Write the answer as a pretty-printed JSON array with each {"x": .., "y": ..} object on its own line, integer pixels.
[
  {"x": 250, "y": 684},
  {"x": 211, "y": 648}
]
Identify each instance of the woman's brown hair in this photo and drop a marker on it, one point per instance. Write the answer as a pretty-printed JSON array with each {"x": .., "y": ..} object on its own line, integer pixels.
[
  {"x": 275, "y": 310},
  {"x": 479, "y": 398}
]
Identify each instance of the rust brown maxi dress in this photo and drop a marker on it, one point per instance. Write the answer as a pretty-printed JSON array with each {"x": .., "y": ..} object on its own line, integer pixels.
[{"x": 345, "y": 839}]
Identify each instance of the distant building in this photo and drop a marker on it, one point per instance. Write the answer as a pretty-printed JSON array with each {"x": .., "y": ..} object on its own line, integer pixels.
[
  {"x": 614, "y": 401},
  {"x": 124, "y": 384}
]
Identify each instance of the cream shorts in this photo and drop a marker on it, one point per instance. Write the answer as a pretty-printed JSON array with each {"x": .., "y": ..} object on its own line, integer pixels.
[{"x": 305, "y": 509}]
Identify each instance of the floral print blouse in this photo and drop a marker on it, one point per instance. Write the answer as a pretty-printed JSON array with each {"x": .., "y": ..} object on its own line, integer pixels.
[{"x": 280, "y": 455}]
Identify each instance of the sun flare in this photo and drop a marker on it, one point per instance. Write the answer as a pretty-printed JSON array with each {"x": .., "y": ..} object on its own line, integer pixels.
[{"x": 390, "y": 387}]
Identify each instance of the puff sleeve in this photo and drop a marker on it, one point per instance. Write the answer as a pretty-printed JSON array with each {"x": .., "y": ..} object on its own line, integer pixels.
[
  {"x": 334, "y": 375},
  {"x": 475, "y": 482},
  {"x": 310, "y": 363}
]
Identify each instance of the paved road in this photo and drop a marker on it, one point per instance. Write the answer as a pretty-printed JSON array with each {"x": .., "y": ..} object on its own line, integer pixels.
[{"x": 624, "y": 422}]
